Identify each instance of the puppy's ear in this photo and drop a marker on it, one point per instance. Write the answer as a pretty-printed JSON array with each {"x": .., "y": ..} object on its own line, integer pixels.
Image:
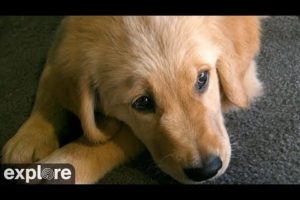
[
  {"x": 96, "y": 126},
  {"x": 76, "y": 93},
  {"x": 235, "y": 66},
  {"x": 232, "y": 83},
  {"x": 71, "y": 77}
]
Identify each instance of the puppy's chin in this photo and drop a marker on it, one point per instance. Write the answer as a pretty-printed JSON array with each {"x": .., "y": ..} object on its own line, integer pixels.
[{"x": 182, "y": 179}]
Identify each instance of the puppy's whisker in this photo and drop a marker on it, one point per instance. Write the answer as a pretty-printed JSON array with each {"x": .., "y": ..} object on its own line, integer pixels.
[{"x": 165, "y": 157}]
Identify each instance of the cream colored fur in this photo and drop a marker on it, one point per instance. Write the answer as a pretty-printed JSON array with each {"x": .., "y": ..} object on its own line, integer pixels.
[{"x": 103, "y": 64}]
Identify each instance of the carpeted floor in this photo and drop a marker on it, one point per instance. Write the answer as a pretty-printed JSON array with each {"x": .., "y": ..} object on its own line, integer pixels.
[{"x": 266, "y": 139}]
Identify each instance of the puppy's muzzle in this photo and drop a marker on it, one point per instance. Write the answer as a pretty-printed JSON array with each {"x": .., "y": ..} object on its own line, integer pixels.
[{"x": 208, "y": 169}]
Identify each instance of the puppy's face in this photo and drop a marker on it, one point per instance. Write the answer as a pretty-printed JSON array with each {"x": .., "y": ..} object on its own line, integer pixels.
[
  {"x": 179, "y": 119},
  {"x": 161, "y": 80}
]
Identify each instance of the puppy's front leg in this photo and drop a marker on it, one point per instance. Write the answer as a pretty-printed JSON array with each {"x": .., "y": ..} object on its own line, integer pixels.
[{"x": 93, "y": 161}]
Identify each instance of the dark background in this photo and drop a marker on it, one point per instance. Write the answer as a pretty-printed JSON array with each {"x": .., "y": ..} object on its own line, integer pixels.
[{"x": 265, "y": 139}]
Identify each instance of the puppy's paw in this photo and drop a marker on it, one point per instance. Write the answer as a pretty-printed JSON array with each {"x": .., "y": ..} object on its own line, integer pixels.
[
  {"x": 84, "y": 168},
  {"x": 28, "y": 147}
]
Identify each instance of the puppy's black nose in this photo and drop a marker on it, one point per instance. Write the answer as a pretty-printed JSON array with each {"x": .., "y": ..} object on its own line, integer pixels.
[{"x": 208, "y": 169}]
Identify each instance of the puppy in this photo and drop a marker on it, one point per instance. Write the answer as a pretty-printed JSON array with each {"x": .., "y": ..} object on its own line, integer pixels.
[{"x": 160, "y": 82}]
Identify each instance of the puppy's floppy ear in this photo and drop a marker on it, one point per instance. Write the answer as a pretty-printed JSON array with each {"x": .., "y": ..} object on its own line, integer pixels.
[
  {"x": 71, "y": 75},
  {"x": 240, "y": 43},
  {"x": 231, "y": 82},
  {"x": 75, "y": 92},
  {"x": 96, "y": 126}
]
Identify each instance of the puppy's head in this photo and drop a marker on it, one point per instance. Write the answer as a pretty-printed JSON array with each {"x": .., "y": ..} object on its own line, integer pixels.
[{"x": 169, "y": 78}]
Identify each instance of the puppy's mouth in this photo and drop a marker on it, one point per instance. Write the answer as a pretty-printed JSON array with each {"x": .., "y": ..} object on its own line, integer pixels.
[{"x": 197, "y": 172}]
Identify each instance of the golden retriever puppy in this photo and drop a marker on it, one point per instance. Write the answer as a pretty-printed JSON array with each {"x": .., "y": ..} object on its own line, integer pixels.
[{"x": 161, "y": 82}]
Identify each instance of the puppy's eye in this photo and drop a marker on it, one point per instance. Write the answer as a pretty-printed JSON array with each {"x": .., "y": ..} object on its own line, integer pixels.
[
  {"x": 202, "y": 81},
  {"x": 144, "y": 104}
]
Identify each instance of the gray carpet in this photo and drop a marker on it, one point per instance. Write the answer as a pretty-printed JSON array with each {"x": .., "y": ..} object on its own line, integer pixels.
[{"x": 266, "y": 139}]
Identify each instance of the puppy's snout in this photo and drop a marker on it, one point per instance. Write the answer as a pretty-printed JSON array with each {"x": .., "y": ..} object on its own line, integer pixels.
[{"x": 208, "y": 169}]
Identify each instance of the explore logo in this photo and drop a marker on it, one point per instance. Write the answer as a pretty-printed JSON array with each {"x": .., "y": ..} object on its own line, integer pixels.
[{"x": 37, "y": 174}]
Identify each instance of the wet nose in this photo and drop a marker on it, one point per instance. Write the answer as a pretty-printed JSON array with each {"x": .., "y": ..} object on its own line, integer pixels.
[{"x": 208, "y": 169}]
